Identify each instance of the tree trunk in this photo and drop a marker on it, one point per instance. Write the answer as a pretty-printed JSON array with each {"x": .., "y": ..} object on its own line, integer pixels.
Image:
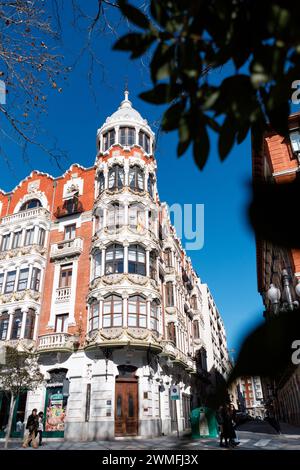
[{"x": 10, "y": 419}]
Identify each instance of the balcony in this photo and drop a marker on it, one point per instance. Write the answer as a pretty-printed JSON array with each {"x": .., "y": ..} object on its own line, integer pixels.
[
  {"x": 169, "y": 349},
  {"x": 24, "y": 215},
  {"x": 56, "y": 342},
  {"x": 69, "y": 207},
  {"x": 66, "y": 248},
  {"x": 63, "y": 294}
]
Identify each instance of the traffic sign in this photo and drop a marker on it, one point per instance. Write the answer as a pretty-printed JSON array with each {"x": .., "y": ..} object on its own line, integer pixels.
[{"x": 175, "y": 392}]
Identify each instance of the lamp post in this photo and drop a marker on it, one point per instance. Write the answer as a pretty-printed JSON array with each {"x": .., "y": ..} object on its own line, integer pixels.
[{"x": 283, "y": 301}]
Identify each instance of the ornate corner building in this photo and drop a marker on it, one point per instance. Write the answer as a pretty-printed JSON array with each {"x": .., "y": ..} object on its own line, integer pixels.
[
  {"x": 94, "y": 277},
  {"x": 278, "y": 268}
]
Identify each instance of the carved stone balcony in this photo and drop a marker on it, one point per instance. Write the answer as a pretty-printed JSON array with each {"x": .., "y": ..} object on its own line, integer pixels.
[
  {"x": 63, "y": 294},
  {"x": 24, "y": 215},
  {"x": 56, "y": 342},
  {"x": 66, "y": 248},
  {"x": 169, "y": 349},
  {"x": 119, "y": 337}
]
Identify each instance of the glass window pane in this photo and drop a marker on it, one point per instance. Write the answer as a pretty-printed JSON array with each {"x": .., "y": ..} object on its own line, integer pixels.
[
  {"x": 117, "y": 319},
  {"x": 106, "y": 321},
  {"x": 143, "y": 322},
  {"x": 132, "y": 320}
]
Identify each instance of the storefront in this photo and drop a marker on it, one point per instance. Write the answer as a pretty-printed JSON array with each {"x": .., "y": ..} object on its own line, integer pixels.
[{"x": 56, "y": 404}]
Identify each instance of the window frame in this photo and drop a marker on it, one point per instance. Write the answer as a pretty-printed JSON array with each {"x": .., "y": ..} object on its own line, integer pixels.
[
  {"x": 137, "y": 173},
  {"x": 97, "y": 265},
  {"x": 5, "y": 241},
  {"x": 139, "y": 267},
  {"x": 12, "y": 282},
  {"x": 4, "y": 320},
  {"x": 29, "y": 240},
  {"x": 95, "y": 306},
  {"x": 169, "y": 291},
  {"x": 22, "y": 280},
  {"x": 64, "y": 322},
  {"x": 16, "y": 328},
  {"x": 171, "y": 332},
  {"x": 16, "y": 239},
  {"x": 154, "y": 318},
  {"x": 41, "y": 236},
  {"x": 65, "y": 269},
  {"x": 35, "y": 281},
  {"x": 30, "y": 324},
  {"x": 115, "y": 262},
  {"x": 139, "y": 300},
  {"x": 118, "y": 174},
  {"x": 125, "y": 139},
  {"x": 144, "y": 141},
  {"x": 108, "y": 140},
  {"x": 112, "y": 300}
]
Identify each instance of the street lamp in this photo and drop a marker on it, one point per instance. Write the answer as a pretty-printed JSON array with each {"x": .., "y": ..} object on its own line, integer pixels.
[{"x": 274, "y": 295}]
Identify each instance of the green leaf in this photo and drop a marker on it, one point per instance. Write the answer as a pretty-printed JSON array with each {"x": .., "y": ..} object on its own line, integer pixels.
[
  {"x": 201, "y": 147},
  {"x": 172, "y": 116},
  {"x": 267, "y": 351},
  {"x": 160, "y": 94},
  {"x": 226, "y": 138},
  {"x": 158, "y": 11},
  {"x": 133, "y": 14},
  {"x": 135, "y": 42},
  {"x": 161, "y": 62}
]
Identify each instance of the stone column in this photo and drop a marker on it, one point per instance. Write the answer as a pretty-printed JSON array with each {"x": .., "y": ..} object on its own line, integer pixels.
[
  {"x": 29, "y": 276},
  {"x": 126, "y": 245},
  {"x": 103, "y": 261},
  {"x": 148, "y": 249},
  {"x": 36, "y": 324},
  {"x": 125, "y": 309},
  {"x": 11, "y": 314},
  {"x": 148, "y": 303},
  {"x": 24, "y": 317}
]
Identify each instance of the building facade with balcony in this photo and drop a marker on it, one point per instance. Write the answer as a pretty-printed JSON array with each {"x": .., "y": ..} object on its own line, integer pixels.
[
  {"x": 116, "y": 308},
  {"x": 278, "y": 268}
]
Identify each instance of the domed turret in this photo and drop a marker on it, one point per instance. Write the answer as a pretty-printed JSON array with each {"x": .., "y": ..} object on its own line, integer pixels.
[{"x": 127, "y": 128}]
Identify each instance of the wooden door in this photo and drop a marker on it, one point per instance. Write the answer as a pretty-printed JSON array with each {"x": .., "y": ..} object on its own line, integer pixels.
[{"x": 126, "y": 408}]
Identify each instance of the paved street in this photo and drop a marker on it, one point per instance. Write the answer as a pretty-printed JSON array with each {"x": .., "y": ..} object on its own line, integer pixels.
[{"x": 253, "y": 435}]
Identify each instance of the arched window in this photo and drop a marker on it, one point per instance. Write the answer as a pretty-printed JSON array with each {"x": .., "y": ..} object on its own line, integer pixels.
[
  {"x": 127, "y": 136},
  {"x": 137, "y": 260},
  {"x": 31, "y": 204},
  {"x": 101, "y": 182},
  {"x": 171, "y": 332},
  {"x": 4, "y": 321},
  {"x": 153, "y": 265},
  {"x": 154, "y": 315},
  {"x": 151, "y": 184},
  {"x": 108, "y": 139},
  {"x": 16, "y": 324},
  {"x": 94, "y": 316},
  {"x": 144, "y": 141},
  {"x": 112, "y": 311},
  {"x": 168, "y": 257},
  {"x": 137, "y": 311},
  {"x": 97, "y": 262},
  {"x": 30, "y": 323},
  {"x": 196, "y": 332},
  {"x": 136, "y": 178},
  {"x": 136, "y": 215},
  {"x": 169, "y": 294},
  {"x": 115, "y": 215},
  {"x": 116, "y": 177},
  {"x": 114, "y": 259}
]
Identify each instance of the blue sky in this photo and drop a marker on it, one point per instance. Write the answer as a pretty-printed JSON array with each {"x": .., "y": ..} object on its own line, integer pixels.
[{"x": 227, "y": 260}]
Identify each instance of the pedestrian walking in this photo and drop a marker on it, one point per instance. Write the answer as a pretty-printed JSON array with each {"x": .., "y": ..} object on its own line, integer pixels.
[
  {"x": 32, "y": 428},
  {"x": 41, "y": 427},
  {"x": 220, "y": 421}
]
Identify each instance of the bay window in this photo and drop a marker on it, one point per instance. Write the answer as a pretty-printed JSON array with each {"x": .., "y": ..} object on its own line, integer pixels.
[
  {"x": 108, "y": 139},
  {"x": 127, "y": 136},
  {"x": 97, "y": 264},
  {"x": 154, "y": 315},
  {"x": 114, "y": 259},
  {"x": 4, "y": 321},
  {"x": 137, "y": 311},
  {"x": 10, "y": 282},
  {"x": 29, "y": 235},
  {"x": 136, "y": 216},
  {"x": 136, "y": 178},
  {"x": 115, "y": 215},
  {"x": 137, "y": 260},
  {"x": 101, "y": 182},
  {"x": 144, "y": 141},
  {"x": 112, "y": 311},
  {"x": 16, "y": 324},
  {"x": 94, "y": 316},
  {"x": 16, "y": 243},
  {"x": 168, "y": 258},
  {"x": 30, "y": 323},
  {"x": 35, "y": 279},
  {"x": 23, "y": 279},
  {"x": 116, "y": 177},
  {"x": 5, "y": 242}
]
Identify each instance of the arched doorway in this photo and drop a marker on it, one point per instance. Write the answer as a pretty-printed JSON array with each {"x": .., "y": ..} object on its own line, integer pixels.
[{"x": 126, "y": 402}]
